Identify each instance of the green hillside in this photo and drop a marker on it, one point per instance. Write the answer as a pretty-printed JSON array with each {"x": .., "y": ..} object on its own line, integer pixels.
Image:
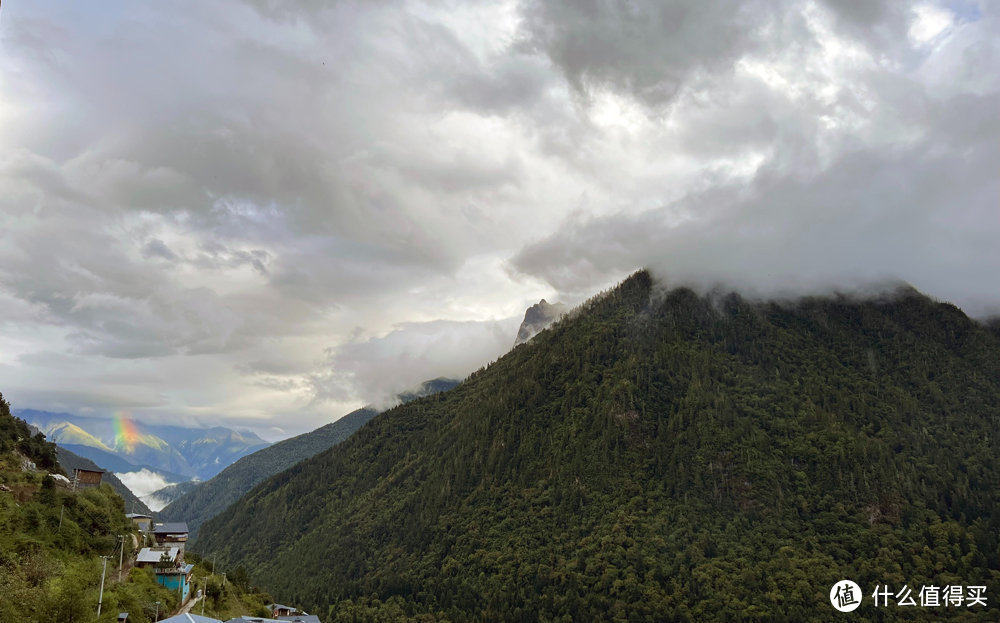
[
  {"x": 659, "y": 456},
  {"x": 208, "y": 499},
  {"x": 69, "y": 461},
  {"x": 51, "y": 541}
]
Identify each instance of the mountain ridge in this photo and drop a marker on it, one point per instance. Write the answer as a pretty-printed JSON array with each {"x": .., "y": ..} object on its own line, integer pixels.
[
  {"x": 190, "y": 452},
  {"x": 207, "y": 499},
  {"x": 659, "y": 455},
  {"x": 537, "y": 318}
]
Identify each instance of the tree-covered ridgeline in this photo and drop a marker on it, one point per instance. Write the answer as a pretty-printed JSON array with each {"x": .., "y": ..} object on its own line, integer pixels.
[
  {"x": 207, "y": 499},
  {"x": 659, "y": 455}
]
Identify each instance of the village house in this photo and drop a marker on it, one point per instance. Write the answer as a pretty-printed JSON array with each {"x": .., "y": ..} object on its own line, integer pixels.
[
  {"x": 189, "y": 618},
  {"x": 303, "y": 618},
  {"x": 167, "y": 564},
  {"x": 172, "y": 534},
  {"x": 278, "y": 610},
  {"x": 83, "y": 478},
  {"x": 153, "y": 556},
  {"x": 176, "y": 579},
  {"x": 143, "y": 522}
]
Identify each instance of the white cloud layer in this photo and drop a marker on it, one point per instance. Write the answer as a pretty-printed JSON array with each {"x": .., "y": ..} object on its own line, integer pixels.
[
  {"x": 268, "y": 213},
  {"x": 143, "y": 482}
]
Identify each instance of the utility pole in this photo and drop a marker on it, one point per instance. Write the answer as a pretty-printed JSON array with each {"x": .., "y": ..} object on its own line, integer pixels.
[
  {"x": 100, "y": 597},
  {"x": 204, "y": 596},
  {"x": 121, "y": 557},
  {"x": 61, "y": 509}
]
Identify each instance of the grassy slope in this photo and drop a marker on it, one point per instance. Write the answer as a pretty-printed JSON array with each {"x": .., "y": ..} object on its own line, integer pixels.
[
  {"x": 51, "y": 541},
  {"x": 70, "y": 461}
]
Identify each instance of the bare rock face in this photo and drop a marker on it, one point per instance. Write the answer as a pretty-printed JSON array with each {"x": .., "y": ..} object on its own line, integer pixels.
[{"x": 538, "y": 317}]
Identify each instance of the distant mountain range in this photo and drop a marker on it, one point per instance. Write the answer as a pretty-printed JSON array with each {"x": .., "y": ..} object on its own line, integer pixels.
[
  {"x": 178, "y": 453},
  {"x": 207, "y": 499},
  {"x": 228, "y": 463},
  {"x": 660, "y": 455},
  {"x": 70, "y": 461},
  {"x": 162, "y": 497}
]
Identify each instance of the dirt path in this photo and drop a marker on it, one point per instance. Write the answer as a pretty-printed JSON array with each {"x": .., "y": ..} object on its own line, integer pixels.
[{"x": 190, "y": 604}]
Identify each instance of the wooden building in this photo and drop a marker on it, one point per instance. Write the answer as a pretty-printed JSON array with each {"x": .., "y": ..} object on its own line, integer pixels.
[
  {"x": 83, "y": 478},
  {"x": 171, "y": 534}
]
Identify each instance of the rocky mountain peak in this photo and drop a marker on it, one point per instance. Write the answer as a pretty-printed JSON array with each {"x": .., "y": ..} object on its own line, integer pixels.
[{"x": 538, "y": 317}]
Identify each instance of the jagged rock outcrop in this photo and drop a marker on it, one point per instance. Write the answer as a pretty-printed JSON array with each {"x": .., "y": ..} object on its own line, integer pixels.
[{"x": 538, "y": 317}]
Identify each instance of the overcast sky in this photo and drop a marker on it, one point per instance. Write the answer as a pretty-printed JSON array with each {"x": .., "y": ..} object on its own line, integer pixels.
[{"x": 267, "y": 213}]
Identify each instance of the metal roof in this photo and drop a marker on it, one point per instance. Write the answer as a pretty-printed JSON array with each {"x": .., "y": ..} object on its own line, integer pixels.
[
  {"x": 273, "y": 607},
  {"x": 153, "y": 554},
  {"x": 176, "y": 527},
  {"x": 189, "y": 618}
]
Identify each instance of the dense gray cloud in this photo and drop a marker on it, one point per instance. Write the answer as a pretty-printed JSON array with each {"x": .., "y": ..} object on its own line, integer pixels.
[
  {"x": 257, "y": 212},
  {"x": 645, "y": 47},
  {"x": 868, "y": 216},
  {"x": 909, "y": 197}
]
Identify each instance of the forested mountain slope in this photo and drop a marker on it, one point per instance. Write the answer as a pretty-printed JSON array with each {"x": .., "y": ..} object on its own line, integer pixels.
[
  {"x": 208, "y": 499},
  {"x": 658, "y": 456}
]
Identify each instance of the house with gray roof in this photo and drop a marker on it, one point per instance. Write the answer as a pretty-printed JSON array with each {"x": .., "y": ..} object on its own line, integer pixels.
[
  {"x": 171, "y": 534},
  {"x": 189, "y": 618}
]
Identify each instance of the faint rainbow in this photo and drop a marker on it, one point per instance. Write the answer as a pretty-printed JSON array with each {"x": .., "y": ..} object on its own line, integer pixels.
[{"x": 126, "y": 433}]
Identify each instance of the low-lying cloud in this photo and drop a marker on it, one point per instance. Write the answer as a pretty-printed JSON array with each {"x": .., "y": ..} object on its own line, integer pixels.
[
  {"x": 380, "y": 368},
  {"x": 144, "y": 483}
]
